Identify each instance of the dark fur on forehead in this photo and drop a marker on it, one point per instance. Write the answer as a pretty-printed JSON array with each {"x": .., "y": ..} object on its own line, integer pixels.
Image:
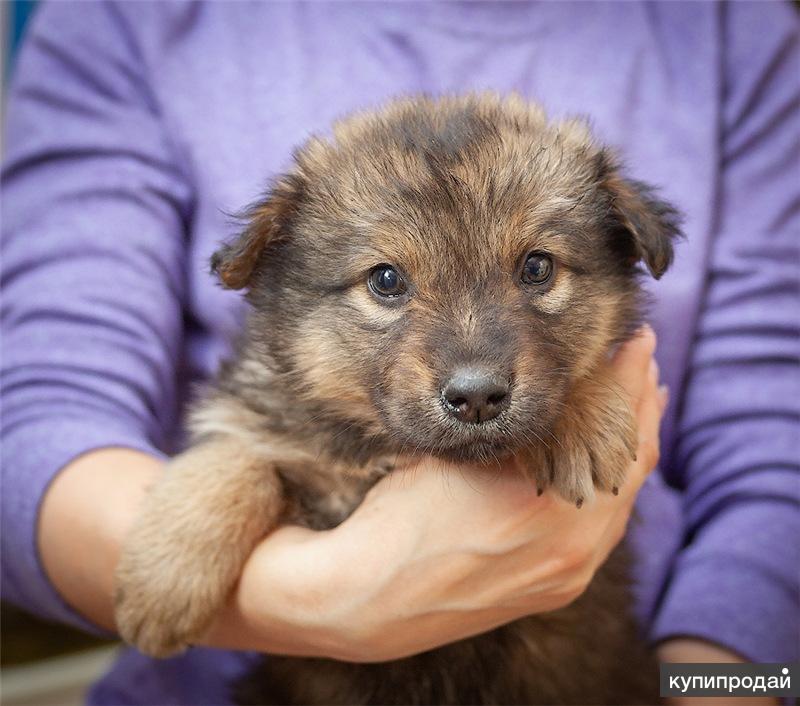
[{"x": 445, "y": 140}]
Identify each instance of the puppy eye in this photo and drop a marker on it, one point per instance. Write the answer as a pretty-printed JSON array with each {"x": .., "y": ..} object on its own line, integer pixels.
[
  {"x": 538, "y": 269},
  {"x": 386, "y": 281}
]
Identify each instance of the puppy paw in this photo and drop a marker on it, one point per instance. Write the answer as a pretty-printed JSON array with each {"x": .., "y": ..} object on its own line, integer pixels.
[
  {"x": 164, "y": 603},
  {"x": 590, "y": 449},
  {"x": 194, "y": 533}
]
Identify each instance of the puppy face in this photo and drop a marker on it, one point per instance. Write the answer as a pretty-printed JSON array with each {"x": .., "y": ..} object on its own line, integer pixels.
[{"x": 441, "y": 272}]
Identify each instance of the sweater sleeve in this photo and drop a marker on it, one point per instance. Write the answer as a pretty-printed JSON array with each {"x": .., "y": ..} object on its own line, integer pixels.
[
  {"x": 94, "y": 209},
  {"x": 736, "y": 581}
]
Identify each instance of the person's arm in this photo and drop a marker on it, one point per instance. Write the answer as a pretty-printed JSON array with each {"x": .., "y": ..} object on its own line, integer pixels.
[
  {"x": 734, "y": 592},
  {"x": 434, "y": 554},
  {"x": 94, "y": 202}
]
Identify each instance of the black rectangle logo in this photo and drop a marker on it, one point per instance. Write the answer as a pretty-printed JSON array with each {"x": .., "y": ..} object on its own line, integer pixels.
[{"x": 729, "y": 679}]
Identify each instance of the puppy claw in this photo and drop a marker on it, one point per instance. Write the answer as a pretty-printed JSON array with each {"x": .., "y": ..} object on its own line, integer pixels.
[{"x": 595, "y": 443}]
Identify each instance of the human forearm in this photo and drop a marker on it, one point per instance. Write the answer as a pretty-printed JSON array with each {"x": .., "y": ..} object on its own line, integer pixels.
[{"x": 85, "y": 514}]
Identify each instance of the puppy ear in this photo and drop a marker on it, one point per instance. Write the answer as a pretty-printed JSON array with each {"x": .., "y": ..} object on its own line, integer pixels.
[
  {"x": 651, "y": 224},
  {"x": 268, "y": 222}
]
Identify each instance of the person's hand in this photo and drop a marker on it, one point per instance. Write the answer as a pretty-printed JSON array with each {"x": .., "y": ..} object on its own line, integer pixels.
[{"x": 437, "y": 553}]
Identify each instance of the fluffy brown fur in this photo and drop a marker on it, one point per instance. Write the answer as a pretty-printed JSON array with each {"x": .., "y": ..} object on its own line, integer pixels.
[{"x": 333, "y": 382}]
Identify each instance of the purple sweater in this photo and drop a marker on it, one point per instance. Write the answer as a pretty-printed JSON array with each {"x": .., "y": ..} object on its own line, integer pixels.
[{"x": 133, "y": 129}]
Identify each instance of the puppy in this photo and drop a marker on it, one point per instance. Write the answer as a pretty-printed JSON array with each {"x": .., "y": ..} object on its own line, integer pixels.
[{"x": 445, "y": 276}]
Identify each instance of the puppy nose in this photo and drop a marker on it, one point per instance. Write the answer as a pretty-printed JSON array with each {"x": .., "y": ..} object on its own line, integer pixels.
[{"x": 475, "y": 395}]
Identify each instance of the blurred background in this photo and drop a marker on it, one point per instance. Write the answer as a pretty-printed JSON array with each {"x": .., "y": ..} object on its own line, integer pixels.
[{"x": 40, "y": 663}]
